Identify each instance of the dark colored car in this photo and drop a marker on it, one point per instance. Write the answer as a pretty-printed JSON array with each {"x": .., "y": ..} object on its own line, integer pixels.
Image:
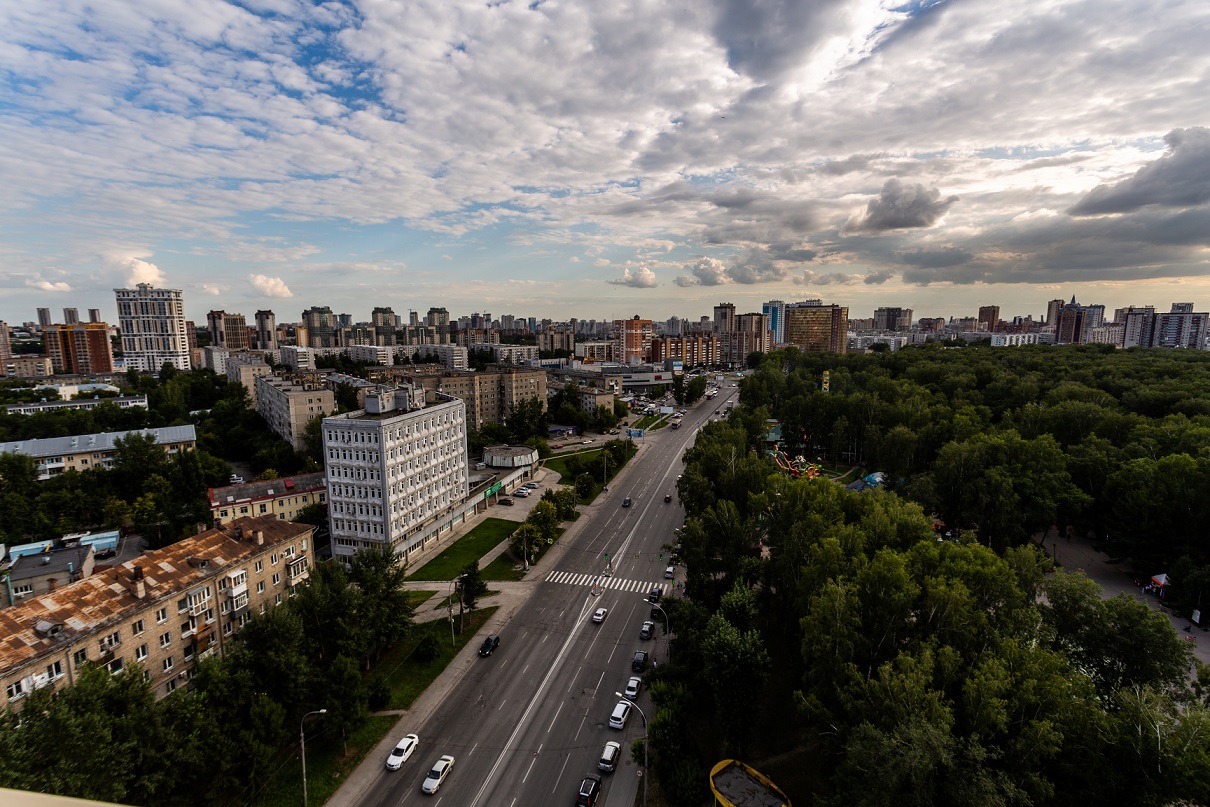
[
  {"x": 626, "y": 502},
  {"x": 656, "y": 593},
  {"x": 590, "y": 788},
  {"x": 489, "y": 645},
  {"x": 639, "y": 662},
  {"x": 667, "y": 497},
  {"x": 506, "y": 502}
]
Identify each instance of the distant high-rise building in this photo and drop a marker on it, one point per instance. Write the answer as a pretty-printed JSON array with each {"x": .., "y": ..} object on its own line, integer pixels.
[
  {"x": 750, "y": 335},
  {"x": 344, "y": 320},
  {"x": 266, "y": 330},
  {"x": 724, "y": 318},
  {"x": 6, "y": 345},
  {"x": 152, "y": 322},
  {"x": 632, "y": 340},
  {"x": 1052, "y": 311},
  {"x": 1176, "y": 329},
  {"x": 71, "y": 316},
  {"x": 989, "y": 317},
  {"x": 320, "y": 323},
  {"x": 383, "y": 320},
  {"x": 94, "y": 315},
  {"x": 413, "y": 319},
  {"x": 80, "y": 349},
  {"x": 439, "y": 318},
  {"x": 228, "y": 331},
  {"x": 818, "y": 328},
  {"x": 1182, "y": 308},
  {"x": 775, "y": 311},
  {"x": 1069, "y": 324},
  {"x": 892, "y": 319},
  {"x": 44, "y": 317}
]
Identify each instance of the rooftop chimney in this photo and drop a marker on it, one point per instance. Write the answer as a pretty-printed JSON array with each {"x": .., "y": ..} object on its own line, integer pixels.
[{"x": 260, "y": 537}]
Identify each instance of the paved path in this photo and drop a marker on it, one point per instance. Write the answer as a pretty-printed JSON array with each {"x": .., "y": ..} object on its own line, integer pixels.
[{"x": 1115, "y": 579}]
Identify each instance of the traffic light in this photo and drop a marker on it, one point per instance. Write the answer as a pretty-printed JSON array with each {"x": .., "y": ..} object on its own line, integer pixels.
[{"x": 661, "y": 556}]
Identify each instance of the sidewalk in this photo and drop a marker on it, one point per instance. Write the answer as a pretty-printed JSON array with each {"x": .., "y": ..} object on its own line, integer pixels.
[
  {"x": 1114, "y": 579},
  {"x": 511, "y": 596}
]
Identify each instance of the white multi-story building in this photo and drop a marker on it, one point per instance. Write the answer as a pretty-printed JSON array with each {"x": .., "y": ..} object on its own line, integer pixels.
[
  {"x": 513, "y": 354},
  {"x": 153, "y": 328},
  {"x": 1014, "y": 339},
  {"x": 452, "y": 357},
  {"x": 375, "y": 354},
  {"x": 393, "y": 469}
]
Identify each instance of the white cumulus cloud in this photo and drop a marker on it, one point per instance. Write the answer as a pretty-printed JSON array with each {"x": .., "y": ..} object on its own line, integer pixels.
[
  {"x": 270, "y": 286},
  {"x": 640, "y": 278}
]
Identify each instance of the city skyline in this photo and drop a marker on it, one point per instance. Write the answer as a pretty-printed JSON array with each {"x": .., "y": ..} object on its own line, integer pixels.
[{"x": 554, "y": 160}]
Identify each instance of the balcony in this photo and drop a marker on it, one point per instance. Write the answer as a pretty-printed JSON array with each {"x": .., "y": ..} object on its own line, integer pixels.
[
  {"x": 199, "y": 608},
  {"x": 236, "y": 589},
  {"x": 297, "y": 572},
  {"x": 239, "y": 604},
  {"x": 188, "y": 629}
]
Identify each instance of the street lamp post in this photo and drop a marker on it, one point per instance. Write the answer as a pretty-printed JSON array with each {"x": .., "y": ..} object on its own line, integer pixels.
[
  {"x": 450, "y": 606},
  {"x": 668, "y": 623},
  {"x": 302, "y": 742},
  {"x": 646, "y": 772}
]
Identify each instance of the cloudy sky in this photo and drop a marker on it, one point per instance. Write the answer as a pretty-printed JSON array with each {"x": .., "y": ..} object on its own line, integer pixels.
[{"x": 604, "y": 159}]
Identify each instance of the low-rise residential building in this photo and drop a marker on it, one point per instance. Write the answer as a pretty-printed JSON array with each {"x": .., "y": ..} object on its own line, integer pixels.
[
  {"x": 1014, "y": 339},
  {"x": 161, "y": 613},
  {"x": 54, "y": 455},
  {"x": 287, "y": 406},
  {"x": 34, "y": 575},
  {"x": 282, "y": 499},
  {"x": 452, "y": 357},
  {"x": 513, "y": 354},
  {"x": 122, "y": 402},
  {"x": 594, "y": 351},
  {"x": 28, "y": 367}
]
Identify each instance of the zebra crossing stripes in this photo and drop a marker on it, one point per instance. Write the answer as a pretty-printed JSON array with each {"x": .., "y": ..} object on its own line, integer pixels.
[{"x": 616, "y": 583}]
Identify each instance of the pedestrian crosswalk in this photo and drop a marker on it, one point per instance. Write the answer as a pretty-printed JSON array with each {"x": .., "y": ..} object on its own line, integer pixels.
[{"x": 617, "y": 583}]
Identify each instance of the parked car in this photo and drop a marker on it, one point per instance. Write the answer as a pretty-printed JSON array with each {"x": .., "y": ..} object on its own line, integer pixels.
[
  {"x": 489, "y": 645},
  {"x": 670, "y": 573},
  {"x": 441, "y": 769},
  {"x": 590, "y": 788},
  {"x": 531, "y": 485},
  {"x": 633, "y": 687},
  {"x": 626, "y": 502},
  {"x": 621, "y": 713},
  {"x": 506, "y": 502},
  {"x": 598, "y": 616},
  {"x": 585, "y": 442},
  {"x": 402, "y": 751},
  {"x": 522, "y": 492},
  {"x": 656, "y": 593},
  {"x": 557, "y": 445},
  {"x": 610, "y": 756},
  {"x": 647, "y": 629},
  {"x": 639, "y": 662}
]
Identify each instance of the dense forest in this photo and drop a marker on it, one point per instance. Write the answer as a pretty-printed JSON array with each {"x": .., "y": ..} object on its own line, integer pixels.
[{"x": 835, "y": 639}]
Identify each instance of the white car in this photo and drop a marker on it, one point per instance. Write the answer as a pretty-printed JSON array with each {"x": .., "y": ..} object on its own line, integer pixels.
[
  {"x": 621, "y": 713},
  {"x": 598, "y": 616},
  {"x": 437, "y": 775},
  {"x": 402, "y": 751},
  {"x": 633, "y": 687},
  {"x": 522, "y": 492}
]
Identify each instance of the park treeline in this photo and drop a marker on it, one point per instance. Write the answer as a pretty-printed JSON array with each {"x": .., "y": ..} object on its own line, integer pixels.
[{"x": 836, "y": 641}]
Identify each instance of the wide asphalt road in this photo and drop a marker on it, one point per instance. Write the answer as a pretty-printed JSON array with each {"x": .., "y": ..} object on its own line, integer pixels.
[{"x": 527, "y": 724}]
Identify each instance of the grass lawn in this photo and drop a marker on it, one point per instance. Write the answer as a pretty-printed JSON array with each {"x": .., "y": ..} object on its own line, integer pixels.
[
  {"x": 472, "y": 546},
  {"x": 502, "y": 568},
  {"x": 417, "y": 598},
  {"x": 408, "y": 677}
]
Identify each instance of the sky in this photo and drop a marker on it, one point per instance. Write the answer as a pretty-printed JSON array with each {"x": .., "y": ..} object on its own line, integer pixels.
[{"x": 603, "y": 160}]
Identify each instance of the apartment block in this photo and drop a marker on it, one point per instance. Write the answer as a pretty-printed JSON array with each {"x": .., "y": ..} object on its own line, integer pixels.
[
  {"x": 890, "y": 318},
  {"x": 632, "y": 340},
  {"x": 161, "y": 613},
  {"x": 393, "y": 468},
  {"x": 452, "y": 357},
  {"x": 78, "y": 349},
  {"x": 266, "y": 330},
  {"x": 594, "y": 351},
  {"x": 121, "y": 402},
  {"x": 6, "y": 344},
  {"x": 818, "y": 328},
  {"x": 320, "y": 323},
  {"x": 775, "y": 311},
  {"x": 749, "y": 334},
  {"x": 287, "y": 406},
  {"x": 228, "y": 331},
  {"x": 154, "y": 331},
  {"x": 28, "y": 367},
  {"x": 513, "y": 354},
  {"x": 246, "y": 372},
  {"x": 41, "y": 573},
  {"x": 54, "y": 455},
  {"x": 692, "y": 351},
  {"x": 282, "y": 499},
  {"x": 489, "y": 396},
  {"x": 551, "y": 340}
]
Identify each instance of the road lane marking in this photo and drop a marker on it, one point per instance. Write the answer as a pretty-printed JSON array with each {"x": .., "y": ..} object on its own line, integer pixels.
[
  {"x": 574, "y": 677},
  {"x": 599, "y": 680},
  {"x": 576, "y": 739},
  {"x": 559, "y": 778},
  {"x": 531, "y": 765},
  {"x": 619, "y": 583},
  {"x": 553, "y": 719},
  {"x": 501, "y": 706}
]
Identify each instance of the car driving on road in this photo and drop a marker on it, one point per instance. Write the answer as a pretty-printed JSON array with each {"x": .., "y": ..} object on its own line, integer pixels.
[
  {"x": 626, "y": 502},
  {"x": 598, "y": 616},
  {"x": 402, "y": 751},
  {"x": 489, "y": 645},
  {"x": 441, "y": 769},
  {"x": 590, "y": 788}
]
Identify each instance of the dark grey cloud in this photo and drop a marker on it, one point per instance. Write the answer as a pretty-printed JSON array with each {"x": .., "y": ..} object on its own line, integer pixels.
[
  {"x": 934, "y": 258},
  {"x": 878, "y": 277},
  {"x": 765, "y": 38},
  {"x": 900, "y": 207},
  {"x": 811, "y": 278},
  {"x": 1180, "y": 178}
]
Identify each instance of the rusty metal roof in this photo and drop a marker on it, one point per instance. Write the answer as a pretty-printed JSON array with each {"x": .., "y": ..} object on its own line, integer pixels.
[{"x": 89, "y": 605}]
